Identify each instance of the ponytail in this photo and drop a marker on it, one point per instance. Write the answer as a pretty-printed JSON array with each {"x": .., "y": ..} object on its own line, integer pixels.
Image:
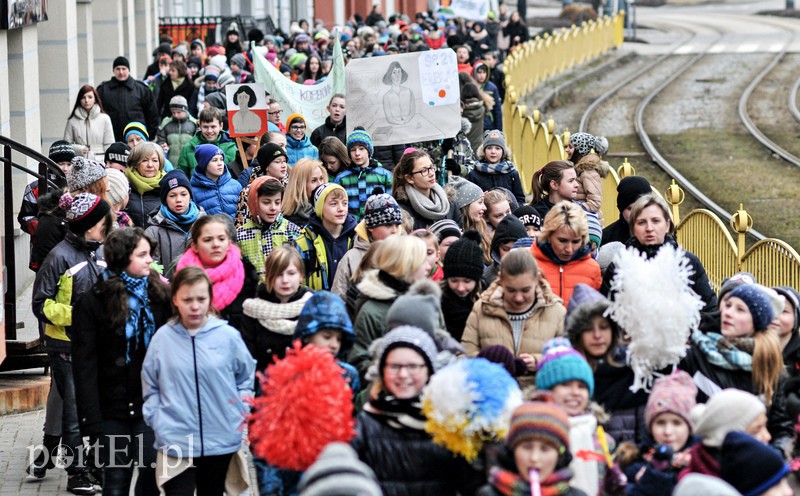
[
  {"x": 767, "y": 364},
  {"x": 540, "y": 183}
]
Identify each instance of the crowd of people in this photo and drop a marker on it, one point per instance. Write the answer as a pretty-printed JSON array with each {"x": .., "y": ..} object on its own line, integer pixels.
[{"x": 172, "y": 274}]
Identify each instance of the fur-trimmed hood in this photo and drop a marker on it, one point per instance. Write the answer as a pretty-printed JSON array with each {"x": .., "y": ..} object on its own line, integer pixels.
[
  {"x": 586, "y": 304},
  {"x": 592, "y": 162},
  {"x": 372, "y": 287}
]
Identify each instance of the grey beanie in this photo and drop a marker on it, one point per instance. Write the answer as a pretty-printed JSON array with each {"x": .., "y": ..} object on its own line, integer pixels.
[
  {"x": 338, "y": 471},
  {"x": 239, "y": 60},
  {"x": 466, "y": 191},
  {"x": 409, "y": 337},
  {"x": 178, "y": 102},
  {"x": 419, "y": 307},
  {"x": 729, "y": 410},
  {"x": 118, "y": 186},
  {"x": 84, "y": 172},
  {"x": 704, "y": 485}
]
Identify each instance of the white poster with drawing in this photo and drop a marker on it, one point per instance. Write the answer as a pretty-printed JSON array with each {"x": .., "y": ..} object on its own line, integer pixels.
[
  {"x": 404, "y": 98},
  {"x": 247, "y": 109},
  {"x": 475, "y": 10}
]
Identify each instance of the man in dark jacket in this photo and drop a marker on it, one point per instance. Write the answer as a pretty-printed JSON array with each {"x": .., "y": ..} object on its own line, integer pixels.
[
  {"x": 127, "y": 100},
  {"x": 334, "y": 124},
  {"x": 629, "y": 190}
]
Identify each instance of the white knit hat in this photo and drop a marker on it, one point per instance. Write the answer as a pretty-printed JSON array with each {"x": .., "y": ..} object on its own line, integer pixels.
[{"x": 729, "y": 410}]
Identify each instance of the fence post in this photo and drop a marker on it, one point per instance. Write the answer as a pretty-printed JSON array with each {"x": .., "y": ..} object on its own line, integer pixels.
[
  {"x": 741, "y": 222},
  {"x": 675, "y": 197}
]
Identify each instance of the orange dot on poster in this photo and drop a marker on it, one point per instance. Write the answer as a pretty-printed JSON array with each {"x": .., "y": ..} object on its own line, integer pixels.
[{"x": 442, "y": 93}]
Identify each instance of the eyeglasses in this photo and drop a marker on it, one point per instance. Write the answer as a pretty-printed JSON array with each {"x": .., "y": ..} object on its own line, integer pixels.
[
  {"x": 296, "y": 128},
  {"x": 425, "y": 172},
  {"x": 412, "y": 368},
  {"x": 275, "y": 113}
]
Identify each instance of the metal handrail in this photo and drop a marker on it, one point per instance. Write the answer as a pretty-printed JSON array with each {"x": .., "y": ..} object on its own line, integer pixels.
[{"x": 45, "y": 165}]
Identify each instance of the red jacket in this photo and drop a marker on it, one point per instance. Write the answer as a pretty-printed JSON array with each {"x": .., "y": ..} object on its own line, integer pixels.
[{"x": 564, "y": 277}]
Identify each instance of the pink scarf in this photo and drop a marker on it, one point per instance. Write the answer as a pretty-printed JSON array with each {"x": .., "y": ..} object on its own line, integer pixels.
[{"x": 227, "y": 277}]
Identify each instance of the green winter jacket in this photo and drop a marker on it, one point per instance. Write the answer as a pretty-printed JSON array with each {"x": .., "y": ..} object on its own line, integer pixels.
[{"x": 176, "y": 134}]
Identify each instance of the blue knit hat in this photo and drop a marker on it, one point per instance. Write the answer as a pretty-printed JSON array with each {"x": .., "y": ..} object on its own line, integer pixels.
[
  {"x": 325, "y": 310},
  {"x": 174, "y": 179},
  {"x": 561, "y": 363},
  {"x": 204, "y": 153},
  {"x": 135, "y": 128},
  {"x": 758, "y": 302},
  {"x": 360, "y": 136},
  {"x": 749, "y": 465}
]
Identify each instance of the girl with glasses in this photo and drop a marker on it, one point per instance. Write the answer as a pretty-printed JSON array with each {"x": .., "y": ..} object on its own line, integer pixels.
[{"x": 417, "y": 191}]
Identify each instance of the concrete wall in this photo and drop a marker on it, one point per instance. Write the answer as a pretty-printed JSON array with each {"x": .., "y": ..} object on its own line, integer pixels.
[{"x": 43, "y": 66}]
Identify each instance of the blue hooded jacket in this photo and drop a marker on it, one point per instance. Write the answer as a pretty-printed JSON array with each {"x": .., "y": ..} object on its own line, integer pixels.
[
  {"x": 295, "y": 150},
  {"x": 216, "y": 197},
  {"x": 194, "y": 388}
]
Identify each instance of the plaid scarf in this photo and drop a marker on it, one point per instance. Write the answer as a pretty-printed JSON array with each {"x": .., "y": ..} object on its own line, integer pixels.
[
  {"x": 724, "y": 353},
  {"x": 511, "y": 484},
  {"x": 502, "y": 167},
  {"x": 139, "y": 312}
]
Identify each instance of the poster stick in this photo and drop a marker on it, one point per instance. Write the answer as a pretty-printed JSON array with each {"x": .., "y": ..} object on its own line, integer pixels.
[{"x": 256, "y": 140}]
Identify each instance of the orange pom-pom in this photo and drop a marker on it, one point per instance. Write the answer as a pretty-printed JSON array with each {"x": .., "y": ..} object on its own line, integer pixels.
[{"x": 306, "y": 404}]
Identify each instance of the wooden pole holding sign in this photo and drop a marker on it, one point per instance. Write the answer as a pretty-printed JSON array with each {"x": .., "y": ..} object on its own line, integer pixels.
[{"x": 247, "y": 140}]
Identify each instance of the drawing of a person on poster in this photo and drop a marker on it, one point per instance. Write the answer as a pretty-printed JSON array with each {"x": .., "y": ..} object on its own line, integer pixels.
[
  {"x": 398, "y": 101},
  {"x": 245, "y": 121}
]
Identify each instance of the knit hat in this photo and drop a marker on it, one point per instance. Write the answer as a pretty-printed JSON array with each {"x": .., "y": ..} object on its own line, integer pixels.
[
  {"x": 225, "y": 78},
  {"x": 83, "y": 172},
  {"x": 464, "y": 258},
  {"x": 267, "y": 153},
  {"x": 121, "y": 60},
  {"x": 409, "y": 337},
  {"x": 204, "y": 153},
  {"x": 561, "y": 363},
  {"x": 674, "y": 393},
  {"x": 734, "y": 281},
  {"x": 729, "y": 410},
  {"x": 758, "y": 302},
  {"x": 292, "y": 117},
  {"x": 194, "y": 61},
  {"x": 174, "y": 179},
  {"x": 792, "y": 298},
  {"x": 118, "y": 153},
  {"x": 178, "y": 102},
  {"x": 135, "y": 128},
  {"x": 529, "y": 216},
  {"x": 118, "y": 186},
  {"x": 703, "y": 485},
  {"x": 630, "y": 189},
  {"x": 252, "y": 194},
  {"x": 325, "y": 310},
  {"x": 497, "y": 353},
  {"x": 239, "y": 60},
  {"x": 607, "y": 253},
  {"x": 382, "y": 210},
  {"x": 445, "y": 228},
  {"x": 419, "y": 307},
  {"x": 495, "y": 137},
  {"x": 525, "y": 242},
  {"x": 360, "y": 136},
  {"x": 595, "y": 229},
  {"x": 509, "y": 229},
  {"x": 338, "y": 471},
  {"x": 544, "y": 421},
  {"x": 585, "y": 304},
  {"x": 211, "y": 73},
  {"x": 583, "y": 142},
  {"x": 750, "y": 466},
  {"x": 84, "y": 211},
  {"x": 466, "y": 191},
  {"x": 61, "y": 151},
  {"x": 321, "y": 193}
]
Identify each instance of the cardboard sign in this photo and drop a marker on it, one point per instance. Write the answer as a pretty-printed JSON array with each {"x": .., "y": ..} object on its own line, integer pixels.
[
  {"x": 405, "y": 98},
  {"x": 247, "y": 109}
]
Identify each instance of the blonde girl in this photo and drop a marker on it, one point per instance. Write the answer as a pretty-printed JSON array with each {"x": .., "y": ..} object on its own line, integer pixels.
[{"x": 298, "y": 205}]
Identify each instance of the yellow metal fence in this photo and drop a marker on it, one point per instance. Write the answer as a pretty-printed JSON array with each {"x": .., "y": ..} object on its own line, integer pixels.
[{"x": 534, "y": 142}]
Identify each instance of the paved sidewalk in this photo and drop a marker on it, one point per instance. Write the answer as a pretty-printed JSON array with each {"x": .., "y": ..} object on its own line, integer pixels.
[{"x": 17, "y": 433}]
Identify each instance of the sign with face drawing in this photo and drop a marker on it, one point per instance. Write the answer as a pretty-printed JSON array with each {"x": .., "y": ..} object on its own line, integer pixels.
[
  {"x": 404, "y": 98},
  {"x": 247, "y": 109}
]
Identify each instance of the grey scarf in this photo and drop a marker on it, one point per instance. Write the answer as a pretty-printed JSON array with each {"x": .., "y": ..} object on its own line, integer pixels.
[{"x": 434, "y": 208}]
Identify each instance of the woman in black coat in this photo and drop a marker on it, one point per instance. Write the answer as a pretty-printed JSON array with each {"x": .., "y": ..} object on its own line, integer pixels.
[{"x": 111, "y": 328}]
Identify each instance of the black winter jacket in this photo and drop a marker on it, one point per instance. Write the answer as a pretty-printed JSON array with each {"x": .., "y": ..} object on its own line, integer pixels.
[
  {"x": 141, "y": 206},
  {"x": 50, "y": 231},
  {"x": 234, "y": 313},
  {"x": 510, "y": 181},
  {"x": 612, "y": 391},
  {"x": 106, "y": 388},
  {"x": 408, "y": 463},
  {"x": 129, "y": 101},
  {"x": 329, "y": 129},
  {"x": 618, "y": 230}
]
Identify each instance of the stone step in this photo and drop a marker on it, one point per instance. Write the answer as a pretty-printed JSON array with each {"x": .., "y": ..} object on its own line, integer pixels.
[{"x": 23, "y": 392}]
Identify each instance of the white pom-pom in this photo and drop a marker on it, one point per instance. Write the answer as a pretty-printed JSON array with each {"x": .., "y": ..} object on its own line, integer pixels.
[{"x": 656, "y": 307}]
